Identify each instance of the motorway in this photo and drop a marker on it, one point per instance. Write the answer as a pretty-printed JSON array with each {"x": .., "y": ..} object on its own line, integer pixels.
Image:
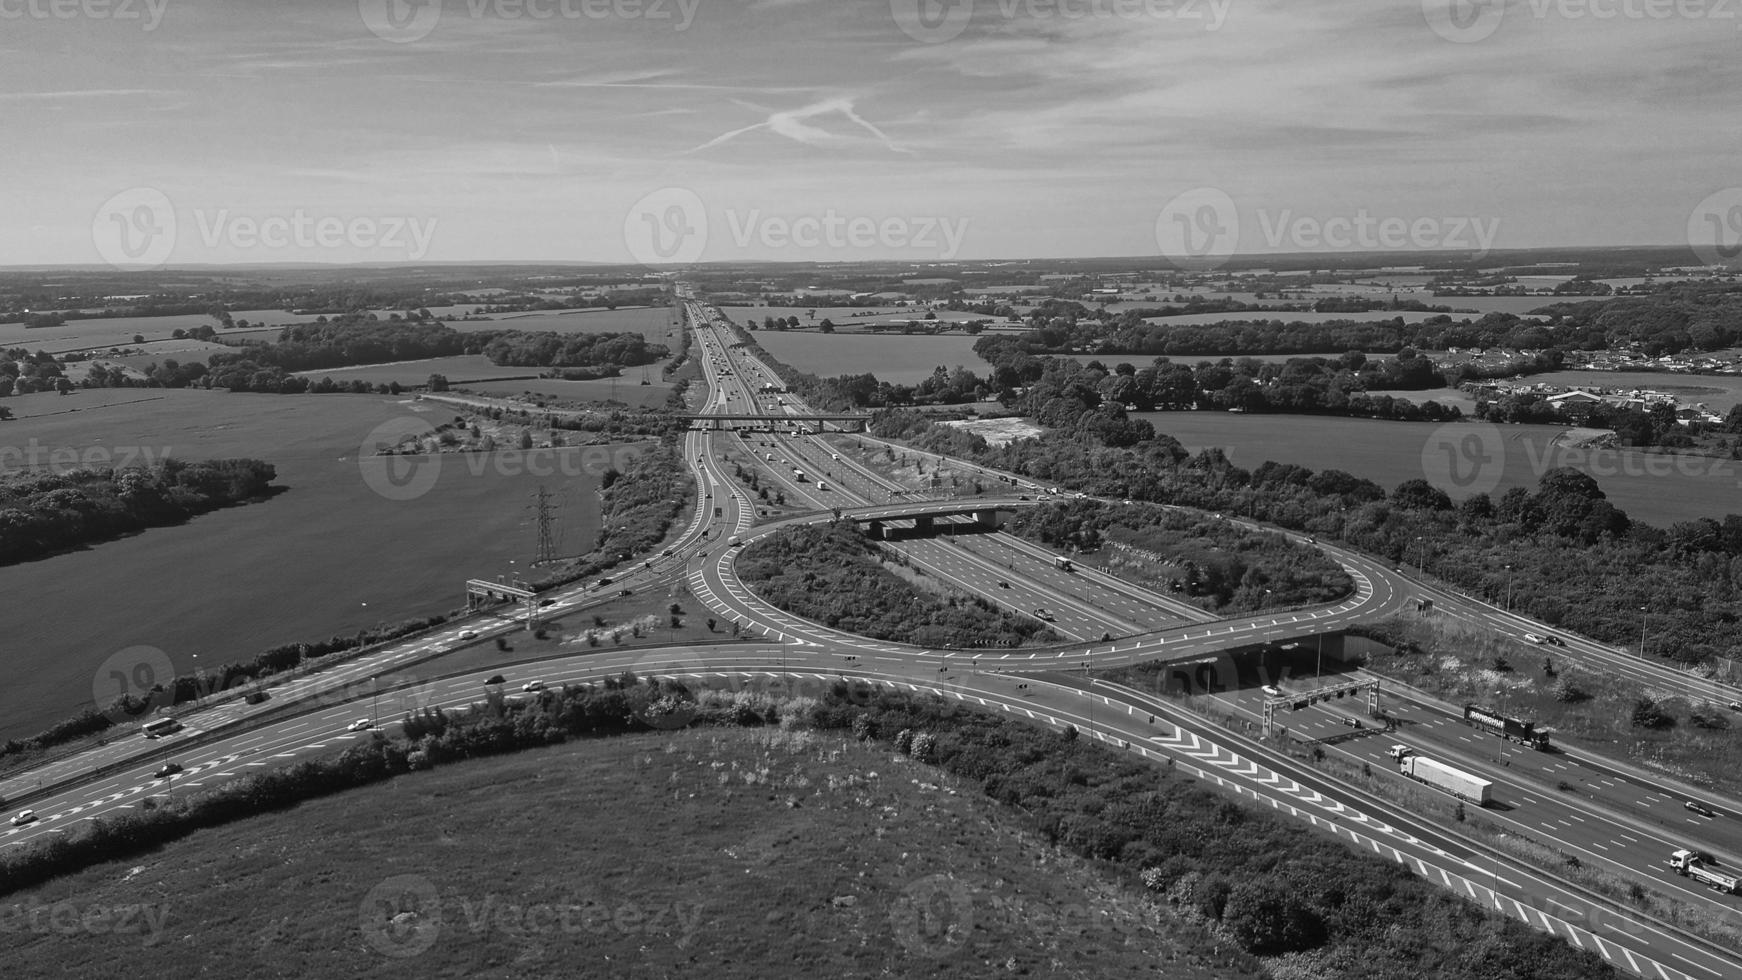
[{"x": 1619, "y": 819}]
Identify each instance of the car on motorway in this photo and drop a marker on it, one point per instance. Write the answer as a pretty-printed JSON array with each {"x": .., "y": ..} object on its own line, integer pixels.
[
  {"x": 532, "y": 686},
  {"x": 669, "y": 552},
  {"x": 604, "y": 582},
  {"x": 1003, "y": 584},
  {"x": 1271, "y": 690},
  {"x": 1535, "y": 638},
  {"x": 1736, "y": 705},
  {"x": 546, "y": 602},
  {"x": 625, "y": 592},
  {"x": 1700, "y": 808},
  {"x": 24, "y": 817},
  {"x": 497, "y": 679},
  {"x": 468, "y": 634},
  {"x": 256, "y": 697},
  {"x": 360, "y": 725},
  {"x": 166, "y": 770},
  {"x": 1041, "y": 614}
]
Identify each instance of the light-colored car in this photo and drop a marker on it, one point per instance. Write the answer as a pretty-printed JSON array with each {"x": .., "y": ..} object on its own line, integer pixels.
[
  {"x": 24, "y": 817},
  {"x": 1535, "y": 638},
  {"x": 532, "y": 686},
  {"x": 1271, "y": 690},
  {"x": 468, "y": 634},
  {"x": 361, "y": 724}
]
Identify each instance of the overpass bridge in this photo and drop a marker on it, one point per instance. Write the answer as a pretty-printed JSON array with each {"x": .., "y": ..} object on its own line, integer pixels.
[
  {"x": 879, "y": 521},
  {"x": 849, "y": 422}
]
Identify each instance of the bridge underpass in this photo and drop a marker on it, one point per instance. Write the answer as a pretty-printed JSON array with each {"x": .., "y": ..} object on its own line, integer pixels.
[{"x": 893, "y": 527}]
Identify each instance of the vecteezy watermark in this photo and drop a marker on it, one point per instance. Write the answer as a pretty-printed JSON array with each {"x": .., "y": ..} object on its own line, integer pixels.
[
  {"x": 139, "y": 228},
  {"x": 401, "y": 459},
  {"x": 672, "y": 225},
  {"x": 1469, "y": 21},
  {"x": 937, "y": 21},
  {"x": 1201, "y": 228},
  {"x": 1715, "y": 228},
  {"x": 147, "y": 13},
  {"x": 131, "y": 684},
  {"x": 34, "y": 457},
  {"x": 933, "y": 916},
  {"x": 73, "y": 919},
  {"x": 1464, "y": 458},
  {"x": 406, "y": 916},
  {"x": 1467, "y": 458},
  {"x": 403, "y": 21}
]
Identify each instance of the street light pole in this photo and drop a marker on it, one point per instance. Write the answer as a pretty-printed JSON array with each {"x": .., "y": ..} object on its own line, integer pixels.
[
  {"x": 1642, "y": 619},
  {"x": 1508, "y": 588},
  {"x": 1420, "y": 557}
]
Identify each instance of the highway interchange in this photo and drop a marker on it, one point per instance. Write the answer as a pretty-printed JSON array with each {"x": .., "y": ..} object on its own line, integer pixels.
[{"x": 1605, "y": 814}]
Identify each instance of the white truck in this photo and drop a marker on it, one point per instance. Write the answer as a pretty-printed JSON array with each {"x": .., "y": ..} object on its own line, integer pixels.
[
  {"x": 1441, "y": 776},
  {"x": 1690, "y": 865}
]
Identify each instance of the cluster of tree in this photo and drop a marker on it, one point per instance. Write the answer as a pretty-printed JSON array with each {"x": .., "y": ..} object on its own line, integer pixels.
[
  {"x": 545, "y": 349},
  {"x": 1216, "y": 564},
  {"x": 22, "y": 373},
  {"x": 833, "y": 575},
  {"x": 1054, "y": 389},
  {"x": 577, "y": 301},
  {"x": 1657, "y": 425},
  {"x": 44, "y": 513}
]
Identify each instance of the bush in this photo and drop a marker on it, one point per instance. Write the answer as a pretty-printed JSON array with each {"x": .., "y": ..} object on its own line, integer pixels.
[
  {"x": 1648, "y": 714},
  {"x": 1268, "y": 920}
]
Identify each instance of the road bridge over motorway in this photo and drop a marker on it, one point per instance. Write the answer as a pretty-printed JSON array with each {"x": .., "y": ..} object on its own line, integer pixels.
[
  {"x": 878, "y": 521},
  {"x": 857, "y": 422}
]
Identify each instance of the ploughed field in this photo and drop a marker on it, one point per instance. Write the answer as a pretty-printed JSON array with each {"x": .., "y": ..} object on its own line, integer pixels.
[{"x": 328, "y": 555}]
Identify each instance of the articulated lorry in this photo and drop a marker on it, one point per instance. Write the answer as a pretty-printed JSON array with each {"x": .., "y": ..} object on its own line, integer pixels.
[
  {"x": 1441, "y": 776},
  {"x": 1690, "y": 865}
]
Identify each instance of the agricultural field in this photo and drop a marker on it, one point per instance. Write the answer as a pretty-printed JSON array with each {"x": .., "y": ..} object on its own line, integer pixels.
[
  {"x": 707, "y": 852},
  {"x": 1657, "y": 489},
  {"x": 894, "y": 358},
  {"x": 349, "y": 556},
  {"x": 1203, "y": 319},
  {"x": 627, "y": 389},
  {"x": 845, "y": 317},
  {"x": 652, "y": 322}
]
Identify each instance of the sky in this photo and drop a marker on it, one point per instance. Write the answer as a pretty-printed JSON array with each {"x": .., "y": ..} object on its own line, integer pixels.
[{"x": 149, "y": 132}]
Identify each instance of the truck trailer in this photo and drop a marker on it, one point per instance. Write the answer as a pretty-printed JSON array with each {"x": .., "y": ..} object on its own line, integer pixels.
[
  {"x": 1441, "y": 776},
  {"x": 1512, "y": 729},
  {"x": 1689, "y": 865}
]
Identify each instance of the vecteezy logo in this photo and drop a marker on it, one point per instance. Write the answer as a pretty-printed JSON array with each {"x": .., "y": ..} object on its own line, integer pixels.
[
  {"x": 1463, "y": 21},
  {"x": 396, "y": 475},
  {"x": 933, "y": 916},
  {"x": 1464, "y": 457},
  {"x": 932, "y": 21},
  {"x": 1199, "y": 229},
  {"x": 1715, "y": 228},
  {"x": 132, "y": 673},
  {"x": 401, "y": 917},
  {"x": 135, "y": 229},
  {"x": 667, "y": 226},
  {"x": 400, "y": 21}
]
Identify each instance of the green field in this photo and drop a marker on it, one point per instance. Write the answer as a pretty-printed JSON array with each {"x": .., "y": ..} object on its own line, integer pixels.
[
  {"x": 1656, "y": 489},
  {"x": 705, "y": 853},
  {"x": 893, "y": 357},
  {"x": 327, "y": 556},
  {"x": 628, "y": 389},
  {"x": 845, "y": 317},
  {"x": 652, "y": 322},
  {"x": 459, "y": 368}
]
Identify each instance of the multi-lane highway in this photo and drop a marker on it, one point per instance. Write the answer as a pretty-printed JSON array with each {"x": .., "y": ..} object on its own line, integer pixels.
[{"x": 1618, "y": 819}]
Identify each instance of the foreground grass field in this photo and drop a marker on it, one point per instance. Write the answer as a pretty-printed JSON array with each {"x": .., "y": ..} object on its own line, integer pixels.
[{"x": 719, "y": 853}]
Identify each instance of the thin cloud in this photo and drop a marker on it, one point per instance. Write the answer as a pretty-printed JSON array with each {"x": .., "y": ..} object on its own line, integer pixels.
[{"x": 792, "y": 124}]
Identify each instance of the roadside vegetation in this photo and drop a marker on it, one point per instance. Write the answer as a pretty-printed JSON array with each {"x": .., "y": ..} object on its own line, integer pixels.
[
  {"x": 1244, "y": 881},
  {"x": 45, "y": 513},
  {"x": 1214, "y": 564},
  {"x": 833, "y": 575}
]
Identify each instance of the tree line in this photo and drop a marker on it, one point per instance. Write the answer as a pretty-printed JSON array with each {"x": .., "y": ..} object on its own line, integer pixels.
[{"x": 45, "y": 513}]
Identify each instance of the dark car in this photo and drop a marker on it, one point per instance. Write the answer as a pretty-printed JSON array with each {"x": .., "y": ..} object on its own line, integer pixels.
[
  {"x": 1700, "y": 808},
  {"x": 168, "y": 769},
  {"x": 1003, "y": 584},
  {"x": 498, "y": 679},
  {"x": 626, "y": 592},
  {"x": 255, "y": 697},
  {"x": 547, "y": 602},
  {"x": 1555, "y": 641}
]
